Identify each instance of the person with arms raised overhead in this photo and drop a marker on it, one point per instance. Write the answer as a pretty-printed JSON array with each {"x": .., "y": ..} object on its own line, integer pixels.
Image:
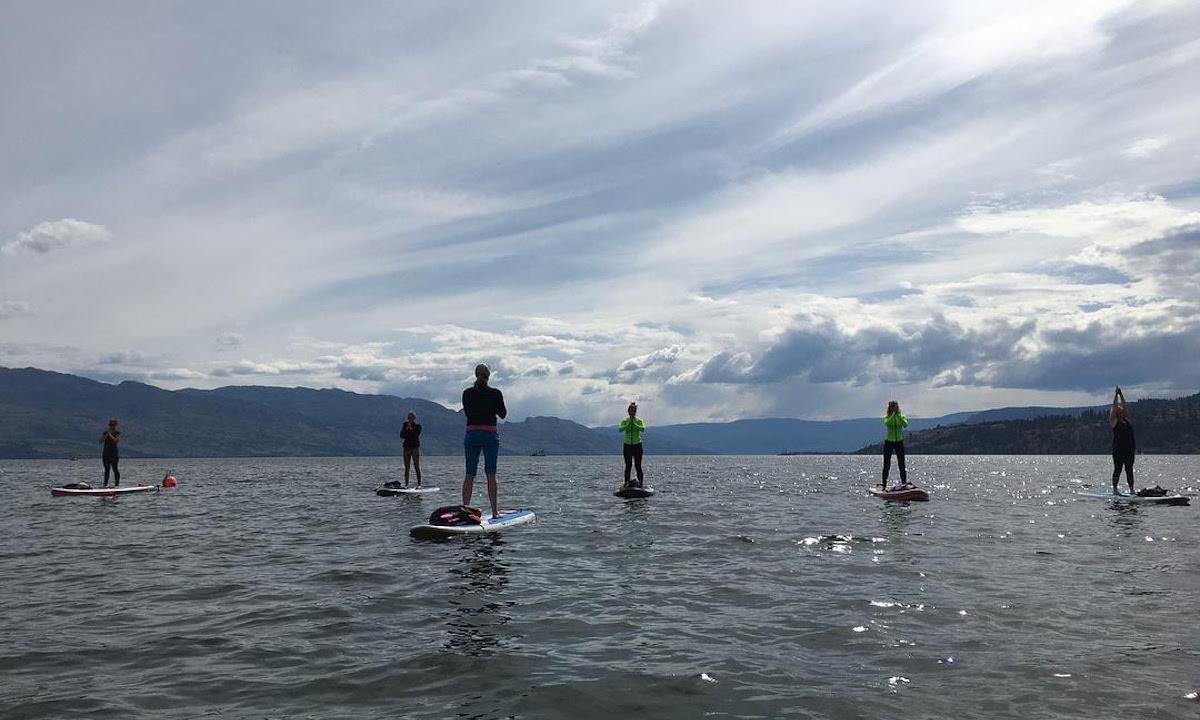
[
  {"x": 1124, "y": 447},
  {"x": 111, "y": 457},
  {"x": 895, "y": 422},
  {"x": 631, "y": 429},
  {"x": 410, "y": 432},
  {"x": 482, "y": 405}
]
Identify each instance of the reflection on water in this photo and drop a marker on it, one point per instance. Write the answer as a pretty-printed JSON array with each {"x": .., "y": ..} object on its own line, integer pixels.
[
  {"x": 896, "y": 518},
  {"x": 476, "y": 610},
  {"x": 1125, "y": 519},
  {"x": 635, "y": 516}
]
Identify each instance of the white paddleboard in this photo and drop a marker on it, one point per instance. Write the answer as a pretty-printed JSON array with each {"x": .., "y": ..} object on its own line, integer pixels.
[
  {"x": 1122, "y": 498},
  {"x": 383, "y": 491},
  {"x": 102, "y": 492},
  {"x": 507, "y": 519}
]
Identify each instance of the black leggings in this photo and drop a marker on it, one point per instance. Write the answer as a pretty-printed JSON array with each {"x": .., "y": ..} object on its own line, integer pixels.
[
  {"x": 889, "y": 447},
  {"x": 1122, "y": 460},
  {"x": 110, "y": 463},
  {"x": 412, "y": 456},
  {"x": 633, "y": 455}
]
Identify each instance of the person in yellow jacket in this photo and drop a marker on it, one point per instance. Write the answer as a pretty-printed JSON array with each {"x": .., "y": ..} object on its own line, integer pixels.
[
  {"x": 631, "y": 429},
  {"x": 895, "y": 422}
]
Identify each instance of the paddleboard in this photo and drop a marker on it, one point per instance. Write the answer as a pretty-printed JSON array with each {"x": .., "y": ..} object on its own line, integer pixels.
[
  {"x": 1121, "y": 498},
  {"x": 507, "y": 519},
  {"x": 101, "y": 492},
  {"x": 385, "y": 491},
  {"x": 631, "y": 492},
  {"x": 912, "y": 493}
]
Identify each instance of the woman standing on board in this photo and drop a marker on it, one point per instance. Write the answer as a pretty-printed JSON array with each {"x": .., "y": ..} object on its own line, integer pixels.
[
  {"x": 410, "y": 432},
  {"x": 631, "y": 429},
  {"x": 109, "y": 439},
  {"x": 895, "y": 422},
  {"x": 482, "y": 405},
  {"x": 1123, "y": 446}
]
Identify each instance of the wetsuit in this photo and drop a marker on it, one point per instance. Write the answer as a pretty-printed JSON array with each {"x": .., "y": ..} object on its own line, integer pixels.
[
  {"x": 482, "y": 406},
  {"x": 110, "y": 456},
  {"x": 894, "y": 443},
  {"x": 1124, "y": 448},
  {"x": 632, "y": 429},
  {"x": 411, "y": 434}
]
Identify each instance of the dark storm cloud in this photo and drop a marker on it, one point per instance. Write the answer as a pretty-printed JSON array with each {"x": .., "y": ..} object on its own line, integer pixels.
[
  {"x": 1100, "y": 356},
  {"x": 821, "y": 351}
]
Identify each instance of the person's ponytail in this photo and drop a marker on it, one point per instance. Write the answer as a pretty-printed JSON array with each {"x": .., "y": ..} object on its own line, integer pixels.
[{"x": 482, "y": 373}]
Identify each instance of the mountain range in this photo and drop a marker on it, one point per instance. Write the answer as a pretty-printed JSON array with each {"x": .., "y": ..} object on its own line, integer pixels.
[
  {"x": 1161, "y": 426},
  {"x": 780, "y": 435},
  {"x": 55, "y": 415},
  {"x": 46, "y": 414}
]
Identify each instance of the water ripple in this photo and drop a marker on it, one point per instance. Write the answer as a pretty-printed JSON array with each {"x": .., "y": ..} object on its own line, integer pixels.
[{"x": 748, "y": 587}]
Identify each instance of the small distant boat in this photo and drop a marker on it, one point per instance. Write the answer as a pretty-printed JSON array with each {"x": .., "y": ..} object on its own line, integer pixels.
[{"x": 538, "y": 453}]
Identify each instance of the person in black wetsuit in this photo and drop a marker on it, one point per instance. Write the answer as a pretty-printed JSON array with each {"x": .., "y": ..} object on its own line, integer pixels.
[
  {"x": 411, "y": 433},
  {"x": 1124, "y": 446},
  {"x": 111, "y": 457},
  {"x": 482, "y": 405}
]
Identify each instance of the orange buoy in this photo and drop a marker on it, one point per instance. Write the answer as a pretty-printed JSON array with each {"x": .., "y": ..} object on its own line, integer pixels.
[{"x": 169, "y": 481}]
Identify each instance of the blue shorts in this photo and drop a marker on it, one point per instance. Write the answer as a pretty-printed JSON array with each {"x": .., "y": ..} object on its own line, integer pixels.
[{"x": 486, "y": 440}]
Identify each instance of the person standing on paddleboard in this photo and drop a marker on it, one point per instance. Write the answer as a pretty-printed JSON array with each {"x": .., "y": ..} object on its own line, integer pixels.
[
  {"x": 111, "y": 457},
  {"x": 1124, "y": 447},
  {"x": 631, "y": 428},
  {"x": 410, "y": 432},
  {"x": 895, "y": 422},
  {"x": 482, "y": 405}
]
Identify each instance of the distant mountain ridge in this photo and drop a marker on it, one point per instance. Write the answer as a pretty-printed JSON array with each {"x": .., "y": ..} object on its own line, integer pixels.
[
  {"x": 1161, "y": 427},
  {"x": 46, "y": 414},
  {"x": 776, "y": 435}
]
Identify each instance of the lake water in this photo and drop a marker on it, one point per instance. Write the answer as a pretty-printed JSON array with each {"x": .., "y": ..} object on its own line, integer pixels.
[{"x": 750, "y": 587}]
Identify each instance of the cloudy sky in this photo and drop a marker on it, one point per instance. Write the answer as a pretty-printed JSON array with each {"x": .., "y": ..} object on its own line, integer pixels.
[{"x": 719, "y": 209}]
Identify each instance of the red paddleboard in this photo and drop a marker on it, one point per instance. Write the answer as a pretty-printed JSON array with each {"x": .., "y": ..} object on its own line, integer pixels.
[{"x": 909, "y": 493}]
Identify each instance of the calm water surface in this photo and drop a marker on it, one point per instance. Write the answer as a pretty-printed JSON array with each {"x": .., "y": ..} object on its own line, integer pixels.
[{"x": 756, "y": 587}]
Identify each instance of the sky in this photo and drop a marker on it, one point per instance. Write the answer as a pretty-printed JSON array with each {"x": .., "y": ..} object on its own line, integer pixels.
[{"x": 719, "y": 210}]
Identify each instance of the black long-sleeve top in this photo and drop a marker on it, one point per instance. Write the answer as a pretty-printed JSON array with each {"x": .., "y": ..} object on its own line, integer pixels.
[
  {"x": 411, "y": 434},
  {"x": 483, "y": 405}
]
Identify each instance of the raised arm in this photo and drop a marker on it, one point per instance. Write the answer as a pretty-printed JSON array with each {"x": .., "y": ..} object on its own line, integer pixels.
[{"x": 1112, "y": 411}]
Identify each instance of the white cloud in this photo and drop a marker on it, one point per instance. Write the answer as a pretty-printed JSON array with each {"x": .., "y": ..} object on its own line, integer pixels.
[
  {"x": 1145, "y": 147},
  {"x": 55, "y": 235},
  {"x": 662, "y": 356},
  {"x": 974, "y": 41},
  {"x": 1120, "y": 220}
]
